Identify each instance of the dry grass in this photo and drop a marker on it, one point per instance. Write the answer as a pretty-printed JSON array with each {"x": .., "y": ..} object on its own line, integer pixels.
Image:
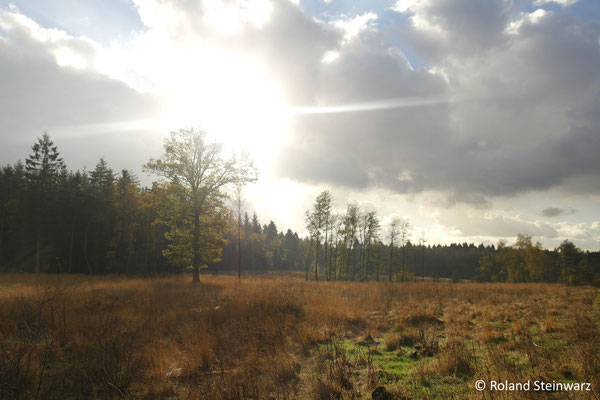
[{"x": 71, "y": 337}]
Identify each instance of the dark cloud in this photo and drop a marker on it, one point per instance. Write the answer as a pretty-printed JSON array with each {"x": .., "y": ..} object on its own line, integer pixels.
[
  {"x": 522, "y": 118},
  {"x": 556, "y": 212},
  {"x": 462, "y": 28}
]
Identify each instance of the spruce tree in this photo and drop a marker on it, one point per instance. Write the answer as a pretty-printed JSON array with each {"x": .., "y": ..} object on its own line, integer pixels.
[{"x": 43, "y": 168}]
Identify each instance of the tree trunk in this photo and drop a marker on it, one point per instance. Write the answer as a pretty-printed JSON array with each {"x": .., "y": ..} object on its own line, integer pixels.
[
  {"x": 423, "y": 265},
  {"x": 38, "y": 249},
  {"x": 308, "y": 258},
  {"x": 239, "y": 260},
  {"x": 367, "y": 262},
  {"x": 85, "y": 255},
  {"x": 377, "y": 271},
  {"x": 326, "y": 260},
  {"x": 403, "y": 264},
  {"x": 391, "y": 259},
  {"x": 1, "y": 235},
  {"x": 71, "y": 240},
  {"x": 146, "y": 251},
  {"x": 353, "y": 262},
  {"x": 361, "y": 261},
  {"x": 196, "y": 259},
  {"x": 347, "y": 268},
  {"x": 335, "y": 263},
  {"x": 317, "y": 260}
]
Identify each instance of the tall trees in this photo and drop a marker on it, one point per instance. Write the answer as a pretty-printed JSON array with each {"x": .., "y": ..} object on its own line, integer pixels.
[
  {"x": 492, "y": 263},
  {"x": 197, "y": 172},
  {"x": 317, "y": 221},
  {"x": 256, "y": 228},
  {"x": 393, "y": 235},
  {"x": 568, "y": 260},
  {"x": 238, "y": 200},
  {"x": 336, "y": 224},
  {"x": 43, "y": 167},
  {"x": 272, "y": 246},
  {"x": 369, "y": 228},
  {"x": 99, "y": 230},
  {"x": 96, "y": 222},
  {"x": 121, "y": 254},
  {"x": 372, "y": 238},
  {"x": 526, "y": 261},
  {"x": 292, "y": 250},
  {"x": 78, "y": 198},
  {"x": 403, "y": 235},
  {"x": 350, "y": 229},
  {"x": 12, "y": 210},
  {"x": 313, "y": 232},
  {"x": 574, "y": 266},
  {"x": 323, "y": 204},
  {"x": 422, "y": 242}
]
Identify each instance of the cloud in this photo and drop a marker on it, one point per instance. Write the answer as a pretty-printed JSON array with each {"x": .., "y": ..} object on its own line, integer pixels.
[
  {"x": 518, "y": 117},
  {"x": 579, "y": 231},
  {"x": 456, "y": 27},
  {"x": 507, "y": 105},
  {"x": 353, "y": 27},
  {"x": 555, "y": 211},
  {"x": 49, "y": 81},
  {"x": 285, "y": 41},
  {"x": 403, "y": 6},
  {"x": 563, "y": 3},
  {"x": 468, "y": 224}
]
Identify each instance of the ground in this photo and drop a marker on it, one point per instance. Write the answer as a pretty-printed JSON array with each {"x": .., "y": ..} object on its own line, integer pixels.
[{"x": 278, "y": 337}]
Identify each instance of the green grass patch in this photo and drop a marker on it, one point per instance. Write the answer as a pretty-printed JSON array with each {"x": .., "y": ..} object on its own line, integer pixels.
[{"x": 393, "y": 366}]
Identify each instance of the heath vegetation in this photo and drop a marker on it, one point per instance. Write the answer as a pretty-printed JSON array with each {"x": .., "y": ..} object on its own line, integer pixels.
[{"x": 274, "y": 337}]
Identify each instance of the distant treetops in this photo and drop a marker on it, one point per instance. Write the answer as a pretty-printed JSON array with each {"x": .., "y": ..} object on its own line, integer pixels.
[{"x": 97, "y": 222}]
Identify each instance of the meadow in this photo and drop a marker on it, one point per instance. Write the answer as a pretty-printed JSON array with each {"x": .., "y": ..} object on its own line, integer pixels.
[{"x": 279, "y": 337}]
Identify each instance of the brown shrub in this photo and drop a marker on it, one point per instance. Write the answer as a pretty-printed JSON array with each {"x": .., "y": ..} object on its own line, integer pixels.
[
  {"x": 455, "y": 359},
  {"x": 551, "y": 325},
  {"x": 112, "y": 337}
]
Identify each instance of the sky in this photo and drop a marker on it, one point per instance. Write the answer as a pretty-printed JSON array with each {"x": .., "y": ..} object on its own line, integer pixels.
[{"x": 473, "y": 120}]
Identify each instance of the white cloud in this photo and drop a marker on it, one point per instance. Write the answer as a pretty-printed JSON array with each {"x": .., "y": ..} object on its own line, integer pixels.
[
  {"x": 353, "y": 27},
  {"x": 403, "y": 6},
  {"x": 577, "y": 231},
  {"x": 493, "y": 224},
  {"x": 533, "y": 18},
  {"x": 227, "y": 17},
  {"x": 66, "y": 57},
  {"x": 330, "y": 56},
  {"x": 563, "y": 3}
]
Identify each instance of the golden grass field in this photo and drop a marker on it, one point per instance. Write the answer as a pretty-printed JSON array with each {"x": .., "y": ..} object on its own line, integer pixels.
[{"x": 278, "y": 337}]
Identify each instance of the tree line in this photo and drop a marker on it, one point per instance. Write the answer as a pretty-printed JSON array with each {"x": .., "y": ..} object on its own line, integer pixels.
[
  {"x": 55, "y": 220},
  {"x": 350, "y": 246},
  {"x": 192, "y": 217}
]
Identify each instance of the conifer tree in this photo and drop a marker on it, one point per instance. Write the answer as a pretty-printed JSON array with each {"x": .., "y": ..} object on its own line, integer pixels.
[{"x": 43, "y": 168}]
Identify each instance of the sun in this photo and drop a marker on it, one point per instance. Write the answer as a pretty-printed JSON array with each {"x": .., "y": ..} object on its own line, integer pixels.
[{"x": 233, "y": 99}]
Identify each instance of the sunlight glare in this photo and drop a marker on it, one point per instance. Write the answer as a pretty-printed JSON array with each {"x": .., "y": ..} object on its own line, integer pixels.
[{"x": 232, "y": 99}]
